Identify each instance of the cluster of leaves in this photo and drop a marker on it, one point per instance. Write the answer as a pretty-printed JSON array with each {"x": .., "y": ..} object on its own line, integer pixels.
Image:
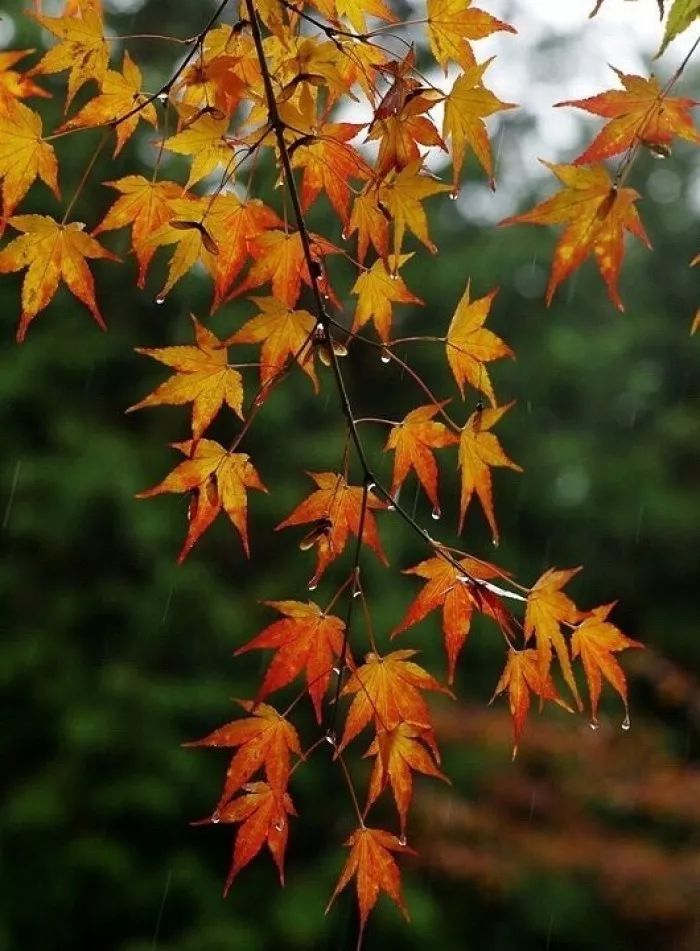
[{"x": 272, "y": 84}]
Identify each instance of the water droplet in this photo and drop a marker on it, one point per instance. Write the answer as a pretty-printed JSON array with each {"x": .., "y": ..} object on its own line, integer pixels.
[
  {"x": 336, "y": 671},
  {"x": 454, "y": 196},
  {"x": 326, "y": 297},
  {"x": 344, "y": 235},
  {"x": 626, "y": 722},
  {"x": 320, "y": 330},
  {"x": 330, "y": 737},
  {"x": 371, "y": 485},
  {"x": 594, "y": 725},
  {"x": 356, "y": 593},
  {"x": 312, "y": 585},
  {"x": 215, "y": 817},
  {"x": 402, "y": 839},
  {"x": 394, "y": 275},
  {"x": 494, "y": 542},
  {"x": 160, "y": 300},
  {"x": 435, "y": 514},
  {"x": 390, "y": 507},
  {"x": 278, "y": 824},
  {"x": 385, "y": 356},
  {"x": 162, "y": 97}
]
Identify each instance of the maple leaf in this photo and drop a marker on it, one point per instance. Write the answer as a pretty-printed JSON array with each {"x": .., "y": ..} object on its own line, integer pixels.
[
  {"x": 402, "y": 128},
  {"x": 452, "y": 23},
  {"x": 467, "y": 104},
  {"x": 596, "y": 640},
  {"x": 189, "y": 228},
  {"x": 470, "y": 345},
  {"x": 284, "y": 334},
  {"x": 145, "y": 205},
  {"x": 16, "y": 85},
  {"x": 355, "y": 10},
  {"x": 479, "y": 450},
  {"x": 24, "y": 155},
  {"x": 413, "y": 440},
  {"x": 235, "y": 224},
  {"x": 372, "y": 863},
  {"x": 371, "y": 221},
  {"x": 264, "y": 740},
  {"x": 51, "y": 252},
  {"x": 306, "y": 638},
  {"x": 596, "y": 214},
  {"x": 203, "y": 378},
  {"x": 388, "y": 691},
  {"x": 377, "y": 289},
  {"x": 204, "y": 139},
  {"x": 120, "y": 93},
  {"x": 335, "y": 510},
  {"x": 682, "y": 14},
  {"x": 82, "y": 48},
  {"x": 639, "y": 113},
  {"x": 403, "y": 195},
  {"x": 219, "y": 480},
  {"x": 263, "y": 817},
  {"x": 329, "y": 165},
  {"x": 279, "y": 259},
  {"x": 214, "y": 77},
  {"x": 547, "y": 609},
  {"x": 521, "y": 676},
  {"x": 448, "y": 587},
  {"x": 399, "y": 751}
]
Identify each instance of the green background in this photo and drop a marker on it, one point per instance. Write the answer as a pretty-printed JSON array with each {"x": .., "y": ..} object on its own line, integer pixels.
[{"x": 112, "y": 656}]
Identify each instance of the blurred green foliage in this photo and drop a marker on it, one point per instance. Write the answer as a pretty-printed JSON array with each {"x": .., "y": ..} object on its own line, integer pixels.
[{"x": 112, "y": 656}]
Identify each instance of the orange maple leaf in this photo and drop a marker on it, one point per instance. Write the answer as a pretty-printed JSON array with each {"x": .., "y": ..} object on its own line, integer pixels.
[
  {"x": 479, "y": 450},
  {"x": 82, "y": 47},
  {"x": 329, "y": 165},
  {"x": 388, "y": 691},
  {"x": 372, "y": 863},
  {"x": 284, "y": 334},
  {"x": 24, "y": 155},
  {"x": 203, "y": 378},
  {"x": 189, "y": 228},
  {"x": 467, "y": 104},
  {"x": 335, "y": 510},
  {"x": 306, "y": 638},
  {"x": 145, "y": 205},
  {"x": 279, "y": 259},
  {"x": 219, "y": 480},
  {"x": 521, "y": 676},
  {"x": 413, "y": 440},
  {"x": 377, "y": 289},
  {"x": 16, "y": 85},
  {"x": 399, "y": 751},
  {"x": 355, "y": 10},
  {"x": 452, "y": 23},
  {"x": 470, "y": 346},
  {"x": 596, "y": 640},
  {"x": 401, "y": 133},
  {"x": 450, "y": 588},
  {"x": 263, "y": 817},
  {"x": 120, "y": 94},
  {"x": 264, "y": 740},
  {"x": 371, "y": 221},
  {"x": 547, "y": 609},
  {"x": 51, "y": 252},
  {"x": 641, "y": 112},
  {"x": 596, "y": 214}
]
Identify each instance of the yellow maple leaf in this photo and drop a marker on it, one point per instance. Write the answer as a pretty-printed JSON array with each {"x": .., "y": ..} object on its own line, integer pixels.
[
  {"x": 16, "y": 85},
  {"x": 402, "y": 197},
  {"x": 51, "y": 252},
  {"x": 204, "y": 138},
  {"x": 119, "y": 95},
  {"x": 376, "y": 290},
  {"x": 452, "y": 23},
  {"x": 466, "y": 106},
  {"x": 203, "y": 378},
  {"x": 24, "y": 155},
  {"x": 470, "y": 345},
  {"x": 82, "y": 48}
]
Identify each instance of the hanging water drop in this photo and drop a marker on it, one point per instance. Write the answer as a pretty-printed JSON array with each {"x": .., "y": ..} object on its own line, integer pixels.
[
  {"x": 435, "y": 514},
  {"x": 402, "y": 839},
  {"x": 162, "y": 97},
  {"x": 160, "y": 300},
  {"x": 312, "y": 585},
  {"x": 330, "y": 737},
  {"x": 371, "y": 486},
  {"x": 385, "y": 356},
  {"x": 336, "y": 671},
  {"x": 215, "y": 817},
  {"x": 344, "y": 235},
  {"x": 494, "y": 542},
  {"x": 626, "y": 722},
  {"x": 278, "y": 824},
  {"x": 454, "y": 195},
  {"x": 594, "y": 725}
]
